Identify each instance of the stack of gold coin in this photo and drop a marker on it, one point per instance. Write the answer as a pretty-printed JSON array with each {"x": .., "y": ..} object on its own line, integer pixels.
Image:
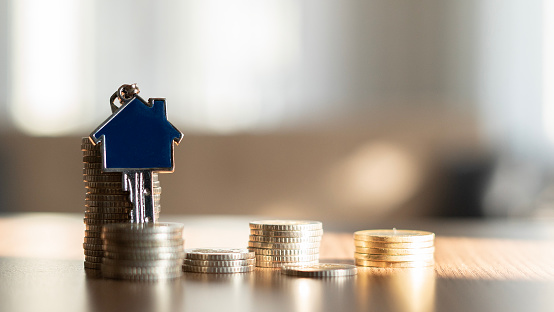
[
  {"x": 394, "y": 248},
  {"x": 285, "y": 242},
  {"x": 146, "y": 251},
  {"x": 219, "y": 260},
  {"x": 105, "y": 202}
]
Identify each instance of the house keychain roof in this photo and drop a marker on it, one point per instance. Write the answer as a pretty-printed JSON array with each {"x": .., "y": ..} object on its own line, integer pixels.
[{"x": 138, "y": 136}]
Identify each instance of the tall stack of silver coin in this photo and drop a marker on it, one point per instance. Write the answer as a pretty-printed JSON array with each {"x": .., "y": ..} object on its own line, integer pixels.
[
  {"x": 105, "y": 202},
  {"x": 285, "y": 242},
  {"x": 143, "y": 252},
  {"x": 219, "y": 260}
]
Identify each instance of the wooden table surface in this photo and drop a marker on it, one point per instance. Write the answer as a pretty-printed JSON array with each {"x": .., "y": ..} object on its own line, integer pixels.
[{"x": 480, "y": 266}]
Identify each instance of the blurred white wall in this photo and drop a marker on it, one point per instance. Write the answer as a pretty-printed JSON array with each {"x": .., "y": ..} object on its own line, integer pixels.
[{"x": 245, "y": 65}]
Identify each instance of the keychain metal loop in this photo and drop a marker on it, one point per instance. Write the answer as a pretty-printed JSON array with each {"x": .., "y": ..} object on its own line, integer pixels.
[{"x": 125, "y": 93}]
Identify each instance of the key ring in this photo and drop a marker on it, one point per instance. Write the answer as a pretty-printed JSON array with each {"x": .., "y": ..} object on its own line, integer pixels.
[{"x": 125, "y": 93}]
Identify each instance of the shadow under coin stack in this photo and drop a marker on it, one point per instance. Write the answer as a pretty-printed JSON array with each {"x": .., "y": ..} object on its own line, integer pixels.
[
  {"x": 285, "y": 242},
  {"x": 105, "y": 202},
  {"x": 394, "y": 248},
  {"x": 219, "y": 260},
  {"x": 143, "y": 252}
]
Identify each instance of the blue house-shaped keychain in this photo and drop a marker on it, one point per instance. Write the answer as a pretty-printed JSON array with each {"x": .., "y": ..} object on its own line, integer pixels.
[{"x": 137, "y": 139}]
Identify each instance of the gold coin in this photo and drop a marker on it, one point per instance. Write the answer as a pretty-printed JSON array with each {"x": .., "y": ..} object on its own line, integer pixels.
[
  {"x": 394, "y": 258},
  {"x": 107, "y": 216},
  {"x": 371, "y": 244},
  {"x": 92, "y": 265},
  {"x": 94, "y": 253},
  {"x": 394, "y": 236},
  {"x": 395, "y": 251},
  {"x": 102, "y": 178},
  {"x": 93, "y": 259},
  {"x": 108, "y": 204},
  {"x": 103, "y": 210},
  {"x": 385, "y": 264}
]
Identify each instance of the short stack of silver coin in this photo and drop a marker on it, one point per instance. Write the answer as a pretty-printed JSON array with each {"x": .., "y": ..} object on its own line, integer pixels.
[
  {"x": 285, "y": 242},
  {"x": 219, "y": 260},
  {"x": 320, "y": 270},
  {"x": 143, "y": 252},
  {"x": 105, "y": 202}
]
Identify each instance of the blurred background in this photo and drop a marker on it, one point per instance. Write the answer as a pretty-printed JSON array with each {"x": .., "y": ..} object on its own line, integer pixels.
[{"x": 322, "y": 109}]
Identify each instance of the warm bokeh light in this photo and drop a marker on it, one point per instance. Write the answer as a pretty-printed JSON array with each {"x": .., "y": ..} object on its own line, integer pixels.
[{"x": 378, "y": 175}]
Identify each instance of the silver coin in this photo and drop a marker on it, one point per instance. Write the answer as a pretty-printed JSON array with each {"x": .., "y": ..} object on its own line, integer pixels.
[
  {"x": 143, "y": 250},
  {"x": 271, "y": 239},
  {"x": 286, "y": 225},
  {"x": 144, "y": 228},
  {"x": 124, "y": 237},
  {"x": 141, "y": 277},
  {"x": 262, "y": 264},
  {"x": 142, "y": 263},
  {"x": 320, "y": 270},
  {"x": 283, "y": 245},
  {"x": 134, "y": 270},
  {"x": 218, "y": 270},
  {"x": 286, "y": 233},
  {"x": 218, "y": 254},
  {"x": 220, "y": 263},
  {"x": 145, "y": 243},
  {"x": 303, "y": 258},
  {"x": 284, "y": 252},
  {"x": 180, "y": 255}
]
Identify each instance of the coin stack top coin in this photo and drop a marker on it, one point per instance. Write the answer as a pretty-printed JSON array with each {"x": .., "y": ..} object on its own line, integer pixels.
[
  {"x": 105, "y": 202},
  {"x": 142, "y": 252},
  {"x": 219, "y": 260},
  {"x": 285, "y": 242},
  {"x": 394, "y": 248},
  {"x": 320, "y": 270}
]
